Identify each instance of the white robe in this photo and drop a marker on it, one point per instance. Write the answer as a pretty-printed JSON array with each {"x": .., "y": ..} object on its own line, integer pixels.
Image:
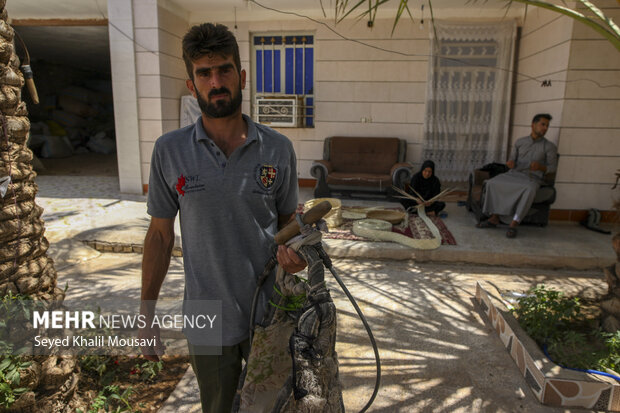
[{"x": 511, "y": 195}]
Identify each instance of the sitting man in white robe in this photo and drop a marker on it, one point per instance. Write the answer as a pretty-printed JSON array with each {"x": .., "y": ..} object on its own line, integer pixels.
[{"x": 510, "y": 195}]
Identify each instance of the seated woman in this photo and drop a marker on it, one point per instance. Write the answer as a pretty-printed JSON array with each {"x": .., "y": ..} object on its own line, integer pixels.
[{"x": 427, "y": 185}]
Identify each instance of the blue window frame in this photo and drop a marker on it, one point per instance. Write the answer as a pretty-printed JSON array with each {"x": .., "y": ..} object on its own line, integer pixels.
[{"x": 283, "y": 67}]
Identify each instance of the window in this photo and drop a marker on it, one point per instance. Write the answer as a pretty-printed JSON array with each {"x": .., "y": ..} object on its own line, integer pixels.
[{"x": 283, "y": 79}]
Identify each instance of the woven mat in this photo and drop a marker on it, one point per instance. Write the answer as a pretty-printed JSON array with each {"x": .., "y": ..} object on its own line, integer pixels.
[{"x": 417, "y": 229}]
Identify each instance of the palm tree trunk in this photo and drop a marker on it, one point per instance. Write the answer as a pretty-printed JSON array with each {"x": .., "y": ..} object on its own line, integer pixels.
[{"x": 25, "y": 267}]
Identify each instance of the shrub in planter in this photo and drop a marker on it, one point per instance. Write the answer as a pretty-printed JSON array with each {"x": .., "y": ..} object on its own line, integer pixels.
[{"x": 570, "y": 339}]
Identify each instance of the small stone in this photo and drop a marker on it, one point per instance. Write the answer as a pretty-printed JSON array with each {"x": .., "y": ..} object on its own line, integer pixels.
[{"x": 520, "y": 394}]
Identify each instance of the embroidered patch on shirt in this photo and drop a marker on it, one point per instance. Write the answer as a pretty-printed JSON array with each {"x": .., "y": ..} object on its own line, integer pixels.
[
  {"x": 190, "y": 183},
  {"x": 180, "y": 184},
  {"x": 266, "y": 175}
]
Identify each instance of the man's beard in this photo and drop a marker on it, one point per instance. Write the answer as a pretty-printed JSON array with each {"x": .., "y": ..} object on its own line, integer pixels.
[{"x": 221, "y": 108}]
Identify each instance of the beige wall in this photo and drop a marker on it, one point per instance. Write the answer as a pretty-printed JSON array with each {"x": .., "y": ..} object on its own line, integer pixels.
[
  {"x": 148, "y": 80},
  {"x": 160, "y": 76},
  {"x": 586, "y": 125},
  {"x": 590, "y": 131},
  {"x": 353, "y": 81},
  {"x": 123, "y": 64}
]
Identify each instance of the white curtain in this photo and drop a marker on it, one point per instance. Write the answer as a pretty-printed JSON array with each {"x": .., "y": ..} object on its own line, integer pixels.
[{"x": 468, "y": 98}]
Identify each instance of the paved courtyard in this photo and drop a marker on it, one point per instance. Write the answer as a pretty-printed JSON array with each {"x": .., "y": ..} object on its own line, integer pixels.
[{"x": 438, "y": 354}]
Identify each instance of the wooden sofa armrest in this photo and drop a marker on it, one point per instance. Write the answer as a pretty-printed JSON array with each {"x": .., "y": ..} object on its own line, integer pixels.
[
  {"x": 401, "y": 174},
  {"x": 320, "y": 169},
  {"x": 549, "y": 179},
  {"x": 480, "y": 176}
]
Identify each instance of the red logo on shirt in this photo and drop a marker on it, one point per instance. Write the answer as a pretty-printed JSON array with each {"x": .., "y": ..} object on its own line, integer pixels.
[
  {"x": 180, "y": 185},
  {"x": 267, "y": 175}
]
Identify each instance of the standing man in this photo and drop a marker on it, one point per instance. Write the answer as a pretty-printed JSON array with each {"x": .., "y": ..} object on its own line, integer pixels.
[
  {"x": 234, "y": 184},
  {"x": 511, "y": 194}
]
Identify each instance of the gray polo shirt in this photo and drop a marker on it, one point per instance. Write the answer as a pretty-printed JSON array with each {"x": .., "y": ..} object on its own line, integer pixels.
[{"x": 228, "y": 210}]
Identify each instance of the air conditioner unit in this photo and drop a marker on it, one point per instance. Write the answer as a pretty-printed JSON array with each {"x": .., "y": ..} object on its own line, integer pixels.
[{"x": 278, "y": 111}]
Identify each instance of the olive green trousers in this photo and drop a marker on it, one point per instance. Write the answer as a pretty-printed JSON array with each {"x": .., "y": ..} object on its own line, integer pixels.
[{"x": 218, "y": 375}]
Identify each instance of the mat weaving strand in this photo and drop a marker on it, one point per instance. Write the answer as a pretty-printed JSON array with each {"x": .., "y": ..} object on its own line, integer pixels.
[{"x": 416, "y": 229}]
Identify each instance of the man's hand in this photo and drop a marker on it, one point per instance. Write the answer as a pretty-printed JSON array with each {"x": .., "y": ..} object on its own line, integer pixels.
[
  {"x": 152, "y": 353},
  {"x": 536, "y": 166},
  {"x": 510, "y": 164},
  {"x": 289, "y": 260}
]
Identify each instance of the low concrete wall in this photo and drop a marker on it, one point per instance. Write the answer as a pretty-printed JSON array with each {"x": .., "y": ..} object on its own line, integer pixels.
[{"x": 550, "y": 383}]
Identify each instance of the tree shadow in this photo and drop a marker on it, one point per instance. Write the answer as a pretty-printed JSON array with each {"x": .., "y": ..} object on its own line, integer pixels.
[{"x": 437, "y": 352}]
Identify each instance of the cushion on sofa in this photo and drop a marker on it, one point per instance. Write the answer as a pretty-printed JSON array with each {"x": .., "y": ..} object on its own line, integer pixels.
[
  {"x": 367, "y": 155},
  {"x": 360, "y": 179}
]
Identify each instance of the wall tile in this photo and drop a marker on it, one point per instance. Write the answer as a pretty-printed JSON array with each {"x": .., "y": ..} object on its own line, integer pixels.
[
  {"x": 150, "y": 108},
  {"x": 310, "y": 150},
  {"x": 595, "y": 113},
  {"x": 169, "y": 125},
  {"x": 584, "y": 169},
  {"x": 150, "y": 130},
  {"x": 588, "y": 141},
  {"x": 172, "y": 66},
  {"x": 538, "y": 18},
  {"x": 170, "y": 44},
  {"x": 553, "y": 60},
  {"x": 583, "y": 196},
  {"x": 147, "y": 63},
  {"x": 556, "y": 32},
  {"x": 171, "y": 22},
  {"x": 145, "y": 15},
  {"x": 171, "y": 109},
  {"x": 372, "y": 71},
  {"x": 593, "y": 54},
  {"x": 146, "y": 150},
  {"x": 582, "y": 87},
  {"x": 303, "y": 169},
  {"x": 148, "y": 86},
  {"x": 407, "y": 49},
  {"x": 173, "y": 88},
  {"x": 147, "y": 40},
  {"x": 528, "y": 91}
]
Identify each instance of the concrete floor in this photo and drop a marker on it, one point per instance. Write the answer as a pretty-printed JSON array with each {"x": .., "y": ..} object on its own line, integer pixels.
[{"x": 438, "y": 354}]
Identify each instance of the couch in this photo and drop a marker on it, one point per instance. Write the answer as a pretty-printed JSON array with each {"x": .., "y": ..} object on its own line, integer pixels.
[
  {"x": 360, "y": 164},
  {"x": 539, "y": 211}
]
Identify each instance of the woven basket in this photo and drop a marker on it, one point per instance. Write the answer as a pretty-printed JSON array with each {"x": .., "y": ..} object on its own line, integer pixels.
[{"x": 333, "y": 217}]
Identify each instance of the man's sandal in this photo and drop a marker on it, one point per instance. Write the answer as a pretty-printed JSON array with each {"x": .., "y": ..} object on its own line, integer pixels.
[
  {"x": 485, "y": 224},
  {"x": 511, "y": 233}
]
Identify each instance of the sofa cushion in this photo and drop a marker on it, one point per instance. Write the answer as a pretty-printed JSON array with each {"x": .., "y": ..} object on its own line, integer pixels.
[
  {"x": 380, "y": 181},
  {"x": 363, "y": 155}
]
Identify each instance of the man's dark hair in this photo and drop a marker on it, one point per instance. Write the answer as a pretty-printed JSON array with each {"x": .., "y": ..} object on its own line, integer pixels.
[
  {"x": 209, "y": 39},
  {"x": 542, "y": 115}
]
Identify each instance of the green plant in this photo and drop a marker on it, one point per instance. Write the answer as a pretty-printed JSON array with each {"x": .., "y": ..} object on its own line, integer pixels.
[
  {"x": 111, "y": 399},
  {"x": 148, "y": 370},
  {"x": 554, "y": 321},
  {"x": 10, "y": 368},
  {"x": 593, "y": 17},
  {"x": 611, "y": 359},
  {"x": 12, "y": 307},
  {"x": 545, "y": 313},
  {"x": 102, "y": 366}
]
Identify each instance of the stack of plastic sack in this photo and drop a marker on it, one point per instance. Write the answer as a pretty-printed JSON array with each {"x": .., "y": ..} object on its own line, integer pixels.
[{"x": 81, "y": 121}]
